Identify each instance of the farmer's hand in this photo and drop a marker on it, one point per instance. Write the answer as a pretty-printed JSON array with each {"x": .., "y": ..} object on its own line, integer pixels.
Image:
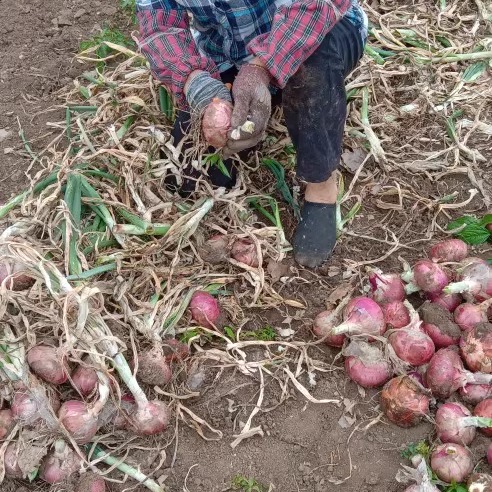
[{"x": 252, "y": 102}]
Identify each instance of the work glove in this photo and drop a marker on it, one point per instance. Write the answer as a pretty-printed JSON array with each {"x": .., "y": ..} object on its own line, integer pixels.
[
  {"x": 200, "y": 90},
  {"x": 252, "y": 108}
]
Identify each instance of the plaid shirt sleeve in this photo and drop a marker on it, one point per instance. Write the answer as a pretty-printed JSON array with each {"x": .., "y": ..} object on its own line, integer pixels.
[
  {"x": 296, "y": 32},
  {"x": 167, "y": 42}
]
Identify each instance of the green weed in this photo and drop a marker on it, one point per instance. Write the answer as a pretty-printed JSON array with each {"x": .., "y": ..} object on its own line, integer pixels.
[
  {"x": 128, "y": 6},
  {"x": 266, "y": 334},
  {"x": 240, "y": 482},
  {"x": 421, "y": 447}
]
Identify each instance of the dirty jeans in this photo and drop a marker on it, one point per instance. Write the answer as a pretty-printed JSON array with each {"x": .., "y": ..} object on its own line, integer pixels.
[{"x": 314, "y": 104}]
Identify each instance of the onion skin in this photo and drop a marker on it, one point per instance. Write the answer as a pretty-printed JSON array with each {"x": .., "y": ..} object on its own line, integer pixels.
[
  {"x": 6, "y": 423},
  {"x": 17, "y": 280},
  {"x": 448, "y": 427},
  {"x": 153, "y": 419},
  {"x": 396, "y": 315},
  {"x": 323, "y": 324},
  {"x": 468, "y": 315},
  {"x": 216, "y": 122},
  {"x": 412, "y": 346},
  {"x": 484, "y": 409},
  {"x": 473, "y": 394},
  {"x": 244, "y": 251},
  {"x": 84, "y": 380},
  {"x": 476, "y": 348},
  {"x": 451, "y": 462},
  {"x": 479, "y": 482},
  {"x": 362, "y": 316},
  {"x": 449, "y": 250},
  {"x": 12, "y": 468},
  {"x": 60, "y": 464},
  {"x": 174, "y": 350},
  {"x": 46, "y": 363},
  {"x": 79, "y": 421},
  {"x": 153, "y": 368},
  {"x": 204, "y": 309},
  {"x": 90, "y": 482},
  {"x": 447, "y": 301},
  {"x": 386, "y": 288},
  {"x": 403, "y": 402},
  {"x": 25, "y": 408}
]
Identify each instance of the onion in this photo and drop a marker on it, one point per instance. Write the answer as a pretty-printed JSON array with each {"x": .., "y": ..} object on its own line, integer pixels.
[
  {"x": 79, "y": 420},
  {"x": 386, "y": 287},
  {"x": 451, "y": 462},
  {"x": 60, "y": 464},
  {"x": 446, "y": 374},
  {"x": 447, "y": 301},
  {"x": 84, "y": 380},
  {"x": 244, "y": 251},
  {"x": 6, "y": 423},
  {"x": 11, "y": 464},
  {"x": 421, "y": 475},
  {"x": 362, "y": 317},
  {"x": 152, "y": 419},
  {"x": 475, "y": 393},
  {"x": 153, "y": 368},
  {"x": 468, "y": 315},
  {"x": 322, "y": 327},
  {"x": 476, "y": 348},
  {"x": 454, "y": 423},
  {"x": 174, "y": 350},
  {"x": 127, "y": 407},
  {"x": 489, "y": 454},
  {"x": 90, "y": 482},
  {"x": 28, "y": 409},
  {"x": 426, "y": 276},
  {"x": 484, "y": 409},
  {"x": 475, "y": 278},
  {"x": 46, "y": 363},
  {"x": 216, "y": 122},
  {"x": 16, "y": 277},
  {"x": 204, "y": 309},
  {"x": 396, "y": 315},
  {"x": 479, "y": 482},
  {"x": 366, "y": 365},
  {"x": 404, "y": 402},
  {"x": 439, "y": 325},
  {"x": 410, "y": 343},
  {"x": 215, "y": 250},
  {"x": 454, "y": 250}
]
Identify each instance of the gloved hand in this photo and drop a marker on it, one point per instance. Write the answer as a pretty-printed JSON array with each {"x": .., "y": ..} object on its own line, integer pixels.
[{"x": 252, "y": 102}]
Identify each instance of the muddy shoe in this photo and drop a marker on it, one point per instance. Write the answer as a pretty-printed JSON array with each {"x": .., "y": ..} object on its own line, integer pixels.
[{"x": 316, "y": 234}]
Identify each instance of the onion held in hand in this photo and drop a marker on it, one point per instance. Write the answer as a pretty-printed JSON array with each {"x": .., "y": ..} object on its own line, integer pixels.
[
  {"x": 216, "y": 122},
  {"x": 79, "y": 420},
  {"x": 362, "y": 316},
  {"x": 60, "y": 464},
  {"x": 451, "y": 462},
  {"x": 204, "y": 309},
  {"x": 439, "y": 325},
  {"x": 366, "y": 365},
  {"x": 484, "y": 409},
  {"x": 476, "y": 348},
  {"x": 47, "y": 363},
  {"x": 404, "y": 402},
  {"x": 396, "y": 315},
  {"x": 449, "y": 250},
  {"x": 386, "y": 287},
  {"x": 426, "y": 276}
]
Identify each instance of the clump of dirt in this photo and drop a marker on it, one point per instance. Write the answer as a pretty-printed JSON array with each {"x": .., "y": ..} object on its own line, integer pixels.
[{"x": 436, "y": 315}]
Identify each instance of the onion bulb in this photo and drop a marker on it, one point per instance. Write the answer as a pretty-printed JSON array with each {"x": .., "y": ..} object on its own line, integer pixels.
[
  {"x": 322, "y": 327},
  {"x": 84, "y": 380},
  {"x": 439, "y": 325},
  {"x": 362, "y": 316},
  {"x": 449, "y": 250},
  {"x": 396, "y": 315},
  {"x": 244, "y": 251},
  {"x": 447, "y": 301},
  {"x": 469, "y": 315},
  {"x": 475, "y": 393},
  {"x": 153, "y": 368},
  {"x": 475, "y": 279},
  {"x": 174, "y": 350},
  {"x": 479, "y": 482},
  {"x": 204, "y": 309},
  {"x": 386, "y": 288},
  {"x": 90, "y": 482},
  {"x": 484, "y": 409},
  {"x": 79, "y": 420},
  {"x": 215, "y": 250},
  {"x": 151, "y": 419},
  {"x": 6, "y": 423},
  {"x": 451, "y": 462},
  {"x": 46, "y": 362},
  {"x": 60, "y": 464},
  {"x": 476, "y": 348},
  {"x": 426, "y": 276},
  {"x": 216, "y": 122}
]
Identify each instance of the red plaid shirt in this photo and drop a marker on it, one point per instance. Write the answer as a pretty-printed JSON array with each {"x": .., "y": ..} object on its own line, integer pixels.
[{"x": 282, "y": 33}]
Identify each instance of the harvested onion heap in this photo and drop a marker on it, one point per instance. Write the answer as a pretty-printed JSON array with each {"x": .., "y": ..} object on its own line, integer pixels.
[{"x": 444, "y": 350}]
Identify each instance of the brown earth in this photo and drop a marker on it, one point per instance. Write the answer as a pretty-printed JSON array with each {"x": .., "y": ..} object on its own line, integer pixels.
[{"x": 305, "y": 446}]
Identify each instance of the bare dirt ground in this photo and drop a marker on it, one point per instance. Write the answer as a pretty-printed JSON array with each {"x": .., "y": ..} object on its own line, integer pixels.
[{"x": 305, "y": 446}]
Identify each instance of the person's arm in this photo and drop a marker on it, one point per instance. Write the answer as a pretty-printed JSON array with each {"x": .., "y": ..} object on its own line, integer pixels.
[
  {"x": 296, "y": 32},
  {"x": 167, "y": 42}
]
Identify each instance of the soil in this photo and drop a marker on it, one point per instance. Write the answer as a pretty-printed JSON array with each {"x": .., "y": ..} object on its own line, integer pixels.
[{"x": 304, "y": 446}]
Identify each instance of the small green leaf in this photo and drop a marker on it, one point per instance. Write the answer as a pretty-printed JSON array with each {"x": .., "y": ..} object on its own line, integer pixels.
[
  {"x": 86, "y": 94},
  {"x": 229, "y": 332},
  {"x": 486, "y": 220},
  {"x": 474, "y": 234}
]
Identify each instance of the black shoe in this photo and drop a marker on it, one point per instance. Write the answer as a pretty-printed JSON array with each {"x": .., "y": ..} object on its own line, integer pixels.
[{"x": 316, "y": 234}]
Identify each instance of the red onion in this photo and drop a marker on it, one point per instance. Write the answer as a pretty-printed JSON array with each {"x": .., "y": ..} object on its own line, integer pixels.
[
  {"x": 217, "y": 122},
  {"x": 475, "y": 279},
  {"x": 244, "y": 251},
  {"x": 366, "y": 365},
  {"x": 322, "y": 327},
  {"x": 174, "y": 350},
  {"x": 427, "y": 276},
  {"x": 215, "y": 250},
  {"x": 90, "y": 482},
  {"x": 14, "y": 276},
  {"x": 484, "y": 409},
  {"x": 60, "y": 464},
  {"x": 447, "y": 301},
  {"x": 46, "y": 362},
  {"x": 6, "y": 423},
  {"x": 11, "y": 463},
  {"x": 451, "y": 462},
  {"x": 479, "y": 482},
  {"x": 362, "y": 317},
  {"x": 29, "y": 409},
  {"x": 79, "y": 420},
  {"x": 152, "y": 419},
  {"x": 386, "y": 287},
  {"x": 411, "y": 344},
  {"x": 439, "y": 325},
  {"x": 204, "y": 309},
  {"x": 84, "y": 380},
  {"x": 153, "y": 368},
  {"x": 468, "y": 315},
  {"x": 404, "y": 402},
  {"x": 454, "y": 423},
  {"x": 446, "y": 374},
  {"x": 476, "y": 348},
  {"x": 127, "y": 407},
  {"x": 475, "y": 393},
  {"x": 396, "y": 315},
  {"x": 454, "y": 250}
]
